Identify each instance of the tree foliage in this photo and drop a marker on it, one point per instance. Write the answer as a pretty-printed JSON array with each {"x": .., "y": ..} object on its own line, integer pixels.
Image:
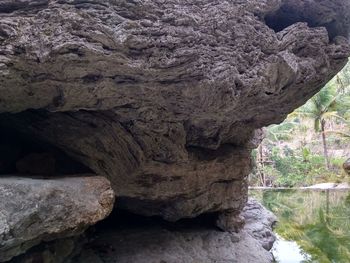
[{"x": 291, "y": 154}]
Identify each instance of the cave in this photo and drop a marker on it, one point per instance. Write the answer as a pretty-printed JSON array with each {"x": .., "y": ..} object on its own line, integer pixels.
[{"x": 286, "y": 16}]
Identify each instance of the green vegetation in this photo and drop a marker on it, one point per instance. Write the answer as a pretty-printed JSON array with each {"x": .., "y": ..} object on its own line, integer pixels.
[
  {"x": 317, "y": 221},
  {"x": 311, "y": 145}
]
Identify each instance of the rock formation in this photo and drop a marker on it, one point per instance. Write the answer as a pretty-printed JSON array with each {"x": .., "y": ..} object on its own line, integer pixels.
[
  {"x": 36, "y": 210},
  {"x": 165, "y": 98},
  {"x": 259, "y": 222}
]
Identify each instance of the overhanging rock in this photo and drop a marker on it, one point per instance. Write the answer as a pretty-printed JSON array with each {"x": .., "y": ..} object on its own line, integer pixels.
[{"x": 165, "y": 98}]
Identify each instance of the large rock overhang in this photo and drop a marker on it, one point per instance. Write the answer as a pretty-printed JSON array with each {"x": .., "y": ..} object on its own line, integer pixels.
[{"x": 165, "y": 98}]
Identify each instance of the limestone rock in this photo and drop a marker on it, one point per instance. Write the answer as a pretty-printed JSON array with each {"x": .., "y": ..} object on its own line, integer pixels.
[
  {"x": 259, "y": 222},
  {"x": 230, "y": 222},
  {"x": 56, "y": 251},
  {"x": 165, "y": 97},
  {"x": 36, "y": 210}
]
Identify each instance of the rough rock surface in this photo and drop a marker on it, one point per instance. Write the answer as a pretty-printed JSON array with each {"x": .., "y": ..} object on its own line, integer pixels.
[
  {"x": 259, "y": 222},
  {"x": 187, "y": 245},
  {"x": 36, "y": 210},
  {"x": 165, "y": 98},
  {"x": 57, "y": 251}
]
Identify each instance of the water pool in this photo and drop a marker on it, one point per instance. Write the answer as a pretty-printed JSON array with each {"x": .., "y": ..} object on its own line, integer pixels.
[{"x": 314, "y": 225}]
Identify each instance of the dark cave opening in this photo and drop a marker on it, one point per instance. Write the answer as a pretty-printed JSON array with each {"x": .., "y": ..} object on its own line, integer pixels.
[
  {"x": 122, "y": 219},
  {"x": 9, "y": 7},
  {"x": 21, "y": 153},
  {"x": 288, "y": 15},
  {"x": 284, "y": 18}
]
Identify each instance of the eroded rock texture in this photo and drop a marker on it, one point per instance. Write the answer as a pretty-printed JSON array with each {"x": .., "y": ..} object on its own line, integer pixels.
[
  {"x": 259, "y": 222},
  {"x": 37, "y": 210},
  {"x": 165, "y": 98}
]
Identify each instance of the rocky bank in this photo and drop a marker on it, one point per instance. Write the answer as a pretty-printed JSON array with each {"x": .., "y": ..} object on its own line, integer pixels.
[
  {"x": 184, "y": 242},
  {"x": 165, "y": 99}
]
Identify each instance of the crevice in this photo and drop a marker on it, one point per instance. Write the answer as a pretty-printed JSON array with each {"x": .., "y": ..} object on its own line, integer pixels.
[
  {"x": 203, "y": 154},
  {"x": 12, "y": 6},
  {"x": 84, "y": 3},
  {"x": 123, "y": 219}
]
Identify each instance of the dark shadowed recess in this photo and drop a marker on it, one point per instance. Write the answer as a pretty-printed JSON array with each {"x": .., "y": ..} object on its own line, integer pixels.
[
  {"x": 9, "y": 6},
  {"x": 122, "y": 219},
  {"x": 314, "y": 16},
  {"x": 119, "y": 220},
  {"x": 23, "y": 153}
]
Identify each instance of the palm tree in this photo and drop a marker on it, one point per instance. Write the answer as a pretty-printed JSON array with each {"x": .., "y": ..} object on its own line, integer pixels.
[{"x": 321, "y": 108}]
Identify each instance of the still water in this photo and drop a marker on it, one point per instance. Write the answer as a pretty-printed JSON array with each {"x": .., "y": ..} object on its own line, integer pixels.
[{"x": 314, "y": 225}]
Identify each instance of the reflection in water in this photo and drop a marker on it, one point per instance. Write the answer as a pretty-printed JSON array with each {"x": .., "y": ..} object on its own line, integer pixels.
[
  {"x": 316, "y": 224},
  {"x": 288, "y": 252}
]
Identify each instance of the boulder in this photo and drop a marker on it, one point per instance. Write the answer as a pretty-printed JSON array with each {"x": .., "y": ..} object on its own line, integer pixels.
[
  {"x": 57, "y": 251},
  {"x": 259, "y": 223},
  {"x": 37, "y": 210}
]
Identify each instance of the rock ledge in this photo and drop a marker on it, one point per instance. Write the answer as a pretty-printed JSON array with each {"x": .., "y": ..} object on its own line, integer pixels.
[{"x": 36, "y": 210}]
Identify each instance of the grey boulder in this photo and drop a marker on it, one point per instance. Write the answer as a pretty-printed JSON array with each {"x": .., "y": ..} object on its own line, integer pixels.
[
  {"x": 259, "y": 222},
  {"x": 36, "y": 210}
]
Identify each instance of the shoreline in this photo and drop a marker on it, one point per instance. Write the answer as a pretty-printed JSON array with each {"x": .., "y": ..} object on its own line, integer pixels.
[{"x": 322, "y": 186}]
